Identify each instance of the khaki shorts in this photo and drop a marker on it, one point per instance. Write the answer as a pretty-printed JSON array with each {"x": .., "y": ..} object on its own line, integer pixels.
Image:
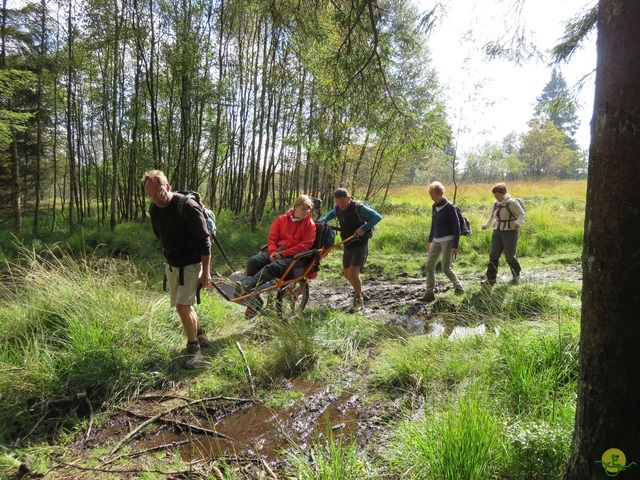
[{"x": 183, "y": 294}]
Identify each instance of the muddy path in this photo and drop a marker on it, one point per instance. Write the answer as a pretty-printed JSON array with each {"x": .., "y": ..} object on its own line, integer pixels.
[
  {"x": 392, "y": 296},
  {"x": 248, "y": 436}
]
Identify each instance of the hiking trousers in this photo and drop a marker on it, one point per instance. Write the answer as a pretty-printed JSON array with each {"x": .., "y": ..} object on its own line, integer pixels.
[
  {"x": 440, "y": 249},
  {"x": 503, "y": 241}
]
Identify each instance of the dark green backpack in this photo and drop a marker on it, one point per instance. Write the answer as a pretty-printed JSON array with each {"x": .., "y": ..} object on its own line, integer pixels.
[
  {"x": 465, "y": 224},
  {"x": 359, "y": 203},
  {"x": 209, "y": 216}
]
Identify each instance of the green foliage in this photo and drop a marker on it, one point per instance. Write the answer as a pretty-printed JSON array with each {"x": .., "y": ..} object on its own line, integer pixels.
[
  {"x": 294, "y": 349},
  {"x": 76, "y": 326},
  {"x": 406, "y": 365},
  {"x": 544, "y": 152},
  {"x": 89, "y": 316},
  {"x": 344, "y": 335},
  {"x": 537, "y": 451},
  {"x": 557, "y": 104},
  {"x": 538, "y": 370}
]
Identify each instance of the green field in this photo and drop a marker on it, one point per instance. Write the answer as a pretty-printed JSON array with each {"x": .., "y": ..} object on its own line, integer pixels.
[{"x": 86, "y": 318}]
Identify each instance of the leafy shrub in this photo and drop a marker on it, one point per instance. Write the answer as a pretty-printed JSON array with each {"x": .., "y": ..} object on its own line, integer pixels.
[{"x": 537, "y": 451}]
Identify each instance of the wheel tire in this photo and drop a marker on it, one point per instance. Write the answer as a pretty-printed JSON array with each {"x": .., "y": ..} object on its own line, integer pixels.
[{"x": 292, "y": 299}]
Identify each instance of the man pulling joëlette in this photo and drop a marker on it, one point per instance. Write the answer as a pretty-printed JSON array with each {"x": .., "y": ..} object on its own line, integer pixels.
[
  {"x": 186, "y": 243},
  {"x": 358, "y": 219}
]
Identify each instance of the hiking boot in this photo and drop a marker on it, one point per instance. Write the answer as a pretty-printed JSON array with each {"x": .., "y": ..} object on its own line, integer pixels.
[
  {"x": 515, "y": 280},
  {"x": 194, "y": 356},
  {"x": 365, "y": 297},
  {"x": 459, "y": 290},
  {"x": 428, "y": 296},
  {"x": 202, "y": 338},
  {"x": 358, "y": 304}
]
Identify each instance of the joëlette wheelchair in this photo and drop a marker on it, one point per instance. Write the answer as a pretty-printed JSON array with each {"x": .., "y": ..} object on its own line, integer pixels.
[{"x": 292, "y": 288}]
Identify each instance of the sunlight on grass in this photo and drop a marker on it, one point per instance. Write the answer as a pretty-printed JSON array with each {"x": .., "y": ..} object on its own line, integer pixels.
[
  {"x": 462, "y": 442},
  {"x": 82, "y": 325},
  {"x": 499, "y": 404},
  {"x": 537, "y": 370},
  {"x": 345, "y": 335},
  {"x": 330, "y": 459}
]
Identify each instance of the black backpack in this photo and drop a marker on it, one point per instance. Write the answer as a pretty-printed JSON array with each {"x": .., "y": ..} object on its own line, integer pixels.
[
  {"x": 325, "y": 235},
  {"x": 209, "y": 216},
  {"x": 359, "y": 203},
  {"x": 465, "y": 225}
]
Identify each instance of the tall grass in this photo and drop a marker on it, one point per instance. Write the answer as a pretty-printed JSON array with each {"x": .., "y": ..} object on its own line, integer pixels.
[
  {"x": 461, "y": 442},
  {"x": 510, "y": 402},
  {"x": 537, "y": 370},
  {"x": 89, "y": 318},
  {"x": 555, "y": 218},
  {"x": 76, "y": 325},
  {"x": 330, "y": 459}
]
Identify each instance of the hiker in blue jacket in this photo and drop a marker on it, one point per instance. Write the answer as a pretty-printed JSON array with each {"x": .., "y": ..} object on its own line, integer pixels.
[
  {"x": 358, "y": 219},
  {"x": 186, "y": 243},
  {"x": 444, "y": 237}
]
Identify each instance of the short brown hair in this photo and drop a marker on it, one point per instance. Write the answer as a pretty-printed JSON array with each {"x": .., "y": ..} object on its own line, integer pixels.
[
  {"x": 341, "y": 193},
  {"x": 499, "y": 188},
  {"x": 436, "y": 187}
]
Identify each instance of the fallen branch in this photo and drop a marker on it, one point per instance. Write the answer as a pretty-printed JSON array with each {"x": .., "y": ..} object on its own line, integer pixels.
[
  {"x": 135, "y": 431},
  {"x": 123, "y": 471},
  {"x": 157, "y": 417},
  {"x": 268, "y": 469},
  {"x": 196, "y": 429},
  {"x": 146, "y": 450},
  {"x": 90, "y": 426}
]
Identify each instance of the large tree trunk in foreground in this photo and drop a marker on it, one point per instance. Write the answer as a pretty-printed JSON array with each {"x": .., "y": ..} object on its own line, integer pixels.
[{"x": 609, "y": 388}]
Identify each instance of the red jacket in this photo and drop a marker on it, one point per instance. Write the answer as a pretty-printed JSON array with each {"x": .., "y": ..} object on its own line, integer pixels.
[{"x": 291, "y": 237}]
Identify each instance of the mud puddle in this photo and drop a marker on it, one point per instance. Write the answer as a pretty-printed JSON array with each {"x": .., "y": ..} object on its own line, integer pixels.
[
  {"x": 266, "y": 431},
  {"x": 234, "y": 430}
]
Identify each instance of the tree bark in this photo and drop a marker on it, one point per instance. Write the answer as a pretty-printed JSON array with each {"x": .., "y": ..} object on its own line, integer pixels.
[{"x": 609, "y": 385}]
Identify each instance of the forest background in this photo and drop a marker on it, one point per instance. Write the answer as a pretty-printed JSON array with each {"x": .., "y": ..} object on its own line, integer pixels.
[{"x": 248, "y": 103}]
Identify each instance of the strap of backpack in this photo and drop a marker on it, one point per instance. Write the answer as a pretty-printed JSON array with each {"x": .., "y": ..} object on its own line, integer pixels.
[
  {"x": 513, "y": 217},
  {"x": 184, "y": 199}
]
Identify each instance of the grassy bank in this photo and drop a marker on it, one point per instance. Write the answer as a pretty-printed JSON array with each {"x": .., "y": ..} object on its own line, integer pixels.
[{"x": 89, "y": 329}]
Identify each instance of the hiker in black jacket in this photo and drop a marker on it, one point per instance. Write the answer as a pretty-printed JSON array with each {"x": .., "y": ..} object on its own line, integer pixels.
[{"x": 186, "y": 244}]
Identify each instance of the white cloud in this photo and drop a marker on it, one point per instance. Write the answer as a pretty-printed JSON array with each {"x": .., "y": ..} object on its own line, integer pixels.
[{"x": 495, "y": 97}]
